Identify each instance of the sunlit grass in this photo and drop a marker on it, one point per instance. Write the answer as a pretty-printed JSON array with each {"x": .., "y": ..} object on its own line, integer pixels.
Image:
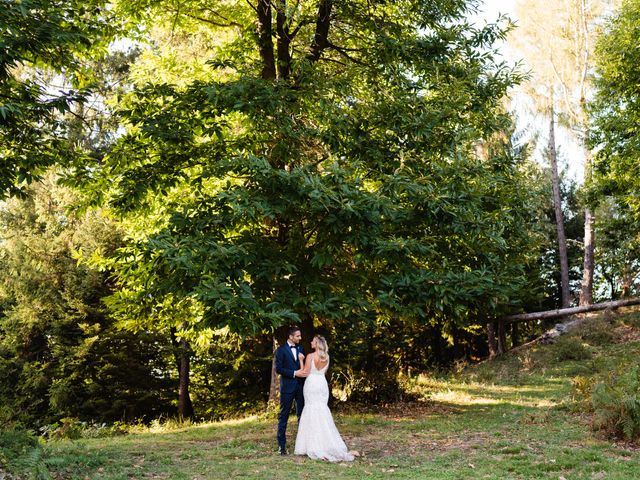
[{"x": 174, "y": 426}]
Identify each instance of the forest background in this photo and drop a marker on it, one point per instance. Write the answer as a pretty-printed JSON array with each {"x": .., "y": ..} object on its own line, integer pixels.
[{"x": 182, "y": 181}]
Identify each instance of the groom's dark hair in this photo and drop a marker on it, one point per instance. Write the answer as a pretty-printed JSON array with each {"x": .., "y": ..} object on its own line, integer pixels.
[{"x": 291, "y": 330}]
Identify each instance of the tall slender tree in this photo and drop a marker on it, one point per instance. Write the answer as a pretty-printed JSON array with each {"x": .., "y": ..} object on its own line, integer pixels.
[
  {"x": 557, "y": 206},
  {"x": 557, "y": 40}
]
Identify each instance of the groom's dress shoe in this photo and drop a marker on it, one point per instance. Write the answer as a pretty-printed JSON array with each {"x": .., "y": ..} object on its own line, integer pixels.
[{"x": 282, "y": 451}]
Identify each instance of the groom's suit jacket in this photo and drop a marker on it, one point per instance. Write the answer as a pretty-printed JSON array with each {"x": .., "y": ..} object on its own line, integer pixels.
[{"x": 286, "y": 365}]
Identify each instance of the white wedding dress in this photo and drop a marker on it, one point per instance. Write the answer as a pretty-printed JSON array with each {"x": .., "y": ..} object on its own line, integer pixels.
[{"x": 318, "y": 436}]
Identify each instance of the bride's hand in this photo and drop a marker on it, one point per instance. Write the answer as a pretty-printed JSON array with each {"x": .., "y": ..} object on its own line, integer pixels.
[{"x": 301, "y": 356}]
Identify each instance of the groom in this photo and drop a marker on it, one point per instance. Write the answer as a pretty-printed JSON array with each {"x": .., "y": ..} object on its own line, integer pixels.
[{"x": 291, "y": 382}]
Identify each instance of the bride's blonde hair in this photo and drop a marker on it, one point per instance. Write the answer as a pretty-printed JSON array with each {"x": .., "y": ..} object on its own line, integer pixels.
[{"x": 322, "y": 349}]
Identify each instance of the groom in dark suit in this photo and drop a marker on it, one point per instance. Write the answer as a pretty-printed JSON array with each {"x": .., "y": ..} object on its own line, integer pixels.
[{"x": 291, "y": 382}]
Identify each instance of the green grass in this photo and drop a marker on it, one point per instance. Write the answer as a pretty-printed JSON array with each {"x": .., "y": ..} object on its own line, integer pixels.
[{"x": 511, "y": 418}]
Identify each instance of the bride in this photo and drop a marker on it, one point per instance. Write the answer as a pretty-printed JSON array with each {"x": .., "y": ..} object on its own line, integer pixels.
[{"x": 318, "y": 436}]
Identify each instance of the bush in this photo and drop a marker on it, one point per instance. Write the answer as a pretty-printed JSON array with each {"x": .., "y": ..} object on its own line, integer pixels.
[
  {"x": 581, "y": 391},
  {"x": 616, "y": 403},
  {"x": 73, "y": 429},
  {"x": 571, "y": 348},
  {"x": 596, "y": 331},
  {"x": 370, "y": 389},
  {"x": 21, "y": 452}
]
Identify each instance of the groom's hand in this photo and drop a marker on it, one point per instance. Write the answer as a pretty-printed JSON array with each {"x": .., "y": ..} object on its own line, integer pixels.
[{"x": 300, "y": 374}]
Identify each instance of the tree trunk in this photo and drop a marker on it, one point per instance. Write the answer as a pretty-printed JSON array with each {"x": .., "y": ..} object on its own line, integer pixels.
[
  {"x": 321, "y": 36},
  {"x": 182, "y": 352},
  {"x": 586, "y": 292},
  {"x": 273, "y": 388},
  {"x": 502, "y": 338},
  {"x": 284, "y": 40},
  {"x": 307, "y": 331},
  {"x": 627, "y": 281},
  {"x": 265, "y": 40},
  {"x": 515, "y": 335},
  {"x": 491, "y": 339},
  {"x": 185, "y": 407},
  {"x": 557, "y": 205},
  {"x": 563, "y": 312}
]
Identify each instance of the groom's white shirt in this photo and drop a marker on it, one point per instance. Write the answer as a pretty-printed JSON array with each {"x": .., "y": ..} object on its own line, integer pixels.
[{"x": 291, "y": 349}]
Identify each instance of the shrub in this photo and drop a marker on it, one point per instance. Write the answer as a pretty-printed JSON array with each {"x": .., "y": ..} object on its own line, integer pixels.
[
  {"x": 21, "y": 452},
  {"x": 73, "y": 429},
  {"x": 571, "y": 348},
  {"x": 370, "y": 389},
  {"x": 581, "y": 391},
  {"x": 66, "y": 428},
  {"x": 616, "y": 403},
  {"x": 596, "y": 331}
]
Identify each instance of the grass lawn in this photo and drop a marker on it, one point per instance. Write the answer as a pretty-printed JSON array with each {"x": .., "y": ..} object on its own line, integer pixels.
[{"x": 511, "y": 418}]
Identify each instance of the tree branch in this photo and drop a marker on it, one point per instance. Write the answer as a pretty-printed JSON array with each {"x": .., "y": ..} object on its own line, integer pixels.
[
  {"x": 211, "y": 22},
  {"x": 344, "y": 53},
  {"x": 253, "y": 7}
]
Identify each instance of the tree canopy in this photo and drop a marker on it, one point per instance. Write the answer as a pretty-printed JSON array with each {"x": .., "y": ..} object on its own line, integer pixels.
[{"x": 332, "y": 165}]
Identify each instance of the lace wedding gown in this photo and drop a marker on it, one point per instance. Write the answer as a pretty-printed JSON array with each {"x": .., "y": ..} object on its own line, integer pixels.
[{"x": 318, "y": 436}]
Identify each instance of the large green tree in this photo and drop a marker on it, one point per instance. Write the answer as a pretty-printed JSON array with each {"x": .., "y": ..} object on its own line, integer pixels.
[{"x": 330, "y": 166}]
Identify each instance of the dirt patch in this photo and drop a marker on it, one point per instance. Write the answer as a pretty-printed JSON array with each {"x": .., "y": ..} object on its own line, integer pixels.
[
  {"x": 375, "y": 445},
  {"x": 626, "y": 334},
  {"x": 413, "y": 410},
  {"x": 400, "y": 410}
]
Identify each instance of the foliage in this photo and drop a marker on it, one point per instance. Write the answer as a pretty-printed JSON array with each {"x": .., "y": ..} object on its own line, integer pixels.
[
  {"x": 581, "y": 391},
  {"x": 571, "y": 348},
  {"x": 21, "y": 452},
  {"x": 60, "y": 354},
  {"x": 43, "y": 44},
  {"x": 230, "y": 378},
  {"x": 73, "y": 429},
  {"x": 615, "y": 112},
  {"x": 353, "y": 171},
  {"x": 618, "y": 251},
  {"x": 616, "y": 403}
]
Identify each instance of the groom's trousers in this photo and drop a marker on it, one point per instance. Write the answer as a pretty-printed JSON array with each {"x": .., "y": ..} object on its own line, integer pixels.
[{"x": 286, "y": 401}]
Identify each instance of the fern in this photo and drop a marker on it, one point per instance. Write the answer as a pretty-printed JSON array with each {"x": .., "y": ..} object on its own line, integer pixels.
[
  {"x": 616, "y": 403},
  {"x": 20, "y": 452}
]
